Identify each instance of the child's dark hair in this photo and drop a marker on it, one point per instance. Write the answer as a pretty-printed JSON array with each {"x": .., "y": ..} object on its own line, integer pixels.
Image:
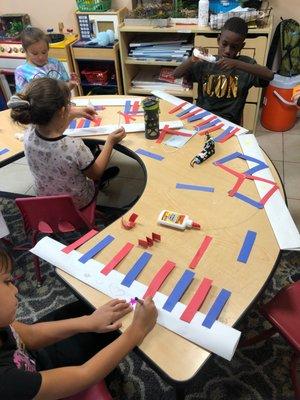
[
  {"x": 236, "y": 25},
  {"x": 6, "y": 261},
  {"x": 31, "y": 35},
  {"x": 39, "y": 101}
]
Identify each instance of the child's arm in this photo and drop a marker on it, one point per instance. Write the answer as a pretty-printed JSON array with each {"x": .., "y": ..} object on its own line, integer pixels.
[
  {"x": 63, "y": 382},
  {"x": 104, "y": 319},
  {"x": 97, "y": 168},
  {"x": 187, "y": 65},
  {"x": 254, "y": 69}
]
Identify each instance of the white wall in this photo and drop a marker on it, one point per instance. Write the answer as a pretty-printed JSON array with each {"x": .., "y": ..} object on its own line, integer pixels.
[{"x": 48, "y": 13}]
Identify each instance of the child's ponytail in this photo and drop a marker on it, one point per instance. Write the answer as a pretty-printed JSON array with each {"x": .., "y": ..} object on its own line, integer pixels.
[{"x": 20, "y": 109}]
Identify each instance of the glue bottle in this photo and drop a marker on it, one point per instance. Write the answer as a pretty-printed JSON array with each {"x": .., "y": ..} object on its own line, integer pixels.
[
  {"x": 176, "y": 220},
  {"x": 203, "y": 11}
]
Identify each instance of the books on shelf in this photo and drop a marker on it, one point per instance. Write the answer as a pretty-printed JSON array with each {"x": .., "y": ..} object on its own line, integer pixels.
[
  {"x": 177, "y": 50},
  {"x": 158, "y": 78}
]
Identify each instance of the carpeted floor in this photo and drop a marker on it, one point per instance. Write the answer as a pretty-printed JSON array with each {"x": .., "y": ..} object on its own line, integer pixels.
[{"x": 260, "y": 372}]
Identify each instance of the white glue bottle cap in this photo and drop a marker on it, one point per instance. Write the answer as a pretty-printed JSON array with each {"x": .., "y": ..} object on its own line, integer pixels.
[{"x": 192, "y": 224}]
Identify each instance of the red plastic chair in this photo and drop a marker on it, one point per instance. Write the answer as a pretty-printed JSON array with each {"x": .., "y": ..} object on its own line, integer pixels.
[
  {"x": 53, "y": 214},
  {"x": 283, "y": 313},
  {"x": 96, "y": 392}
]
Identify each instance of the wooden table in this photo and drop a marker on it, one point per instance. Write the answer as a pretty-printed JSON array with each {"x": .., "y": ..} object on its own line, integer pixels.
[
  {"x": 8, "y": 140},
  {"x": 224, "y": 218}
]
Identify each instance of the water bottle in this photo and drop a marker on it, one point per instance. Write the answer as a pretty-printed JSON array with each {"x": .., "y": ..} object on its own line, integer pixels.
[
  {"x": 203, "y": 9},
  {"x": 151, "y": 116}
]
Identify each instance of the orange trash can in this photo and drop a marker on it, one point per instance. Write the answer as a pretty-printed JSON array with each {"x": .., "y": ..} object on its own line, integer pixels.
[{"x": 279, "y": 113}]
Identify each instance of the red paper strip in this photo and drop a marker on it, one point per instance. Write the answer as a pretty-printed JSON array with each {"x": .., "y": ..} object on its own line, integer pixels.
[
  {"x": 162, "y": 134},
  {"x": 156, "y": 237},
  {"x": 236, "y": 187},
  {"x": 174, "y": 132},
  {"x": 173, "y": 110},
  {"x": 79, "y": 241},
  {"x": 197, "y": 300},
  {"x": 135, "y": 106},
  {"x": 212, "y": 129},
  {"x": 268, "y": 195},
  {"x": 190, "y": 114},
  {"x": 143, "y": 243},
  {"x": 127, "y": 117},
  {"x": 230, "y": 170},
  {"x": 117, "y": 258},
  {"x": 130, "y": 223},
  {"x": 200, "y": 252},
  {"x": 80, "y": 123},
  {"x": 97, "y": 121},
  {"x": 206, "y": 121},
  {"x": 159, "y": 278},
  {"x": 149, "y": 241},
  {"x": 232, "y": 133}
]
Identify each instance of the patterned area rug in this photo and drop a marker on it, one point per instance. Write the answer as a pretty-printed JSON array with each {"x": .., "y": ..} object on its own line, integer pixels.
[{"x": 260, "y": 372}]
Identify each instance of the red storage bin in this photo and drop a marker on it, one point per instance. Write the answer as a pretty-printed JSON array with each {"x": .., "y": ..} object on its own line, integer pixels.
[{"x": 97, "y": 76}]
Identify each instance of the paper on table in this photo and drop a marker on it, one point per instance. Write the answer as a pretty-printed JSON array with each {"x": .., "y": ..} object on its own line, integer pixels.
[
  {"x": 179, "y": 141},
  {"x": 176, "y": 101},
  {"x": 220, "y": 339},
  {"x": 129, "y": 128},
  {"x": 99, "y": 101},
  {"x": 284, "y": 228}
]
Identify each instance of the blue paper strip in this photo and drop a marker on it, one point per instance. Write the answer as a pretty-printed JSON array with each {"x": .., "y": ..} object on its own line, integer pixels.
[
  {"x": 247, "y": 246},
  {"x": 3, "y": 151},
  {"x": 149, "y": 154},
  {"x": 186, "y": 111},
  {"x": 216, "y": 308},
  {"x": 224, "y": 134},
  {"x": 198, "y": 116},
  {"x": 87, "y": 123},
  {"x": 228, "y": 158},
  {"x": 260, "y": 164},
  {"x": 209, "y": 125},
  {"x": 248, "y": 200},
  {"x": 194, "y": 187},
  {"x": 136, "y": 269},
  {"x": 178, "y": 291},
  {"x": 96, "y": 249},
  {"x": 127, "y": 107},
  {"x": 72, "y": 124}
]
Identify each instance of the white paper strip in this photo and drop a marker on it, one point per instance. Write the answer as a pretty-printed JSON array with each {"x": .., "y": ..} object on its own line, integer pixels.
[
  {"x": 176, "y": 101},
  {"x": 284, "y": 227},
  {"x": 219, "y": 339},
  {"x": 102, "y": 101},
  {"x": 129, "y": 128}
]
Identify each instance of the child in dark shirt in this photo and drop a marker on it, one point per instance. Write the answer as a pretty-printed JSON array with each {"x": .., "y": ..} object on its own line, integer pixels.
[
  {"x": 223, "y": 86},
  {"x": 28, "y": 372}
]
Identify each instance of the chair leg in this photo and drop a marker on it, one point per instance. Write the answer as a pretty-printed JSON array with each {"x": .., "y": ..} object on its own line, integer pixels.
[
  {"x": 36, "y": 261},
  {"x": 295, "y": 374},
  {"x": 259, "y": 338}
]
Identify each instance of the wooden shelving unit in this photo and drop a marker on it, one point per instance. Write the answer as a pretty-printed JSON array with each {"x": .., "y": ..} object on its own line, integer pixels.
[{"x": 257, "y": 44}]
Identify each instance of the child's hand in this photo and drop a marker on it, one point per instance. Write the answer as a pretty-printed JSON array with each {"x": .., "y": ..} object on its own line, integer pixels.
[
  {"x": 87, "y": 112},
  {"x": 144, "y": 318},
  {"x": 228, "y": 63},
  {"x": 116, "y": 136},
  {"x": 105, "y": 318},
  {"x": 74, "y": 78},
  {"x": 202, "y": 50}
]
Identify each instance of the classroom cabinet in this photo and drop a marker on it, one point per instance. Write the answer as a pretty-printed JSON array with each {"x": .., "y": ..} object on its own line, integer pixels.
[
  {"x": 257, "y": 44},
  {"x": 98, "y": 69}
]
